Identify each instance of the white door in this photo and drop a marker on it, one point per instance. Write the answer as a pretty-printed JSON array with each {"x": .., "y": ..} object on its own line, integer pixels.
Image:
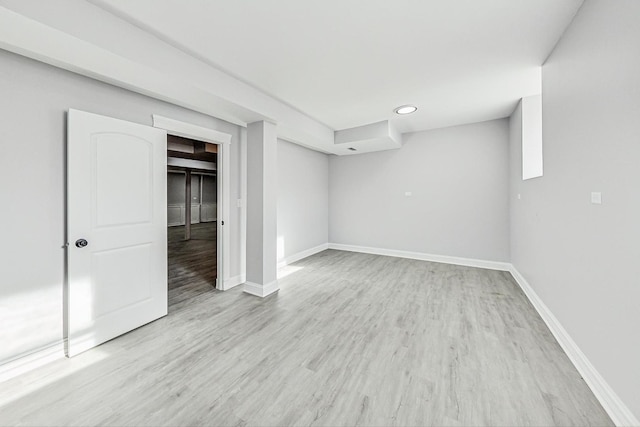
[{"x": 116, "y": 228}]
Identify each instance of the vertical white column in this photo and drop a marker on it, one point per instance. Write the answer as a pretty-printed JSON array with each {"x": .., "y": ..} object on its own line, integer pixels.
[{"x": 261, "y": 209}]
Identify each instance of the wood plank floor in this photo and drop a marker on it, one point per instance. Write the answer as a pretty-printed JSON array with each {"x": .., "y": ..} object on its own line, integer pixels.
[
  {"x": 350, "y": 339},
  {"x": 192, "y": 263}
]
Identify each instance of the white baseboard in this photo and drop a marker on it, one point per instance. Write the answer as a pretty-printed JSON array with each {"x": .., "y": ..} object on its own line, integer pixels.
[
  {"x": 260, "y": 290},
  {"x": 232, "y": 282},
  {"x": 617, "y": 410},
  {"x": 303, "y": 254},
  {"x": 468, "y": 262},
  {"x": 31, "y": 360}
]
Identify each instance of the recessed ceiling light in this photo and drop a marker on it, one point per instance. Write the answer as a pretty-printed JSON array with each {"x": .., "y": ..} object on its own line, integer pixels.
[{"x": 406, "y": 109}]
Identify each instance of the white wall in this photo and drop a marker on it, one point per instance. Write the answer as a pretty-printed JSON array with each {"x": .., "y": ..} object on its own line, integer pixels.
[
  {"x": 583, "y": 259},
  {"x": 191, "y": 81},
  {"x": 458, "y": 178},
  {"x": 35, "y": 98},
  {"x": 303, "y": 199}
]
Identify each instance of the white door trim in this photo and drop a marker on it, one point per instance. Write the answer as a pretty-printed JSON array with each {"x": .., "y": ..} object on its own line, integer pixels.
[
  {"x": 223, "y": 140},
  {"x": 188, "y": 130}
]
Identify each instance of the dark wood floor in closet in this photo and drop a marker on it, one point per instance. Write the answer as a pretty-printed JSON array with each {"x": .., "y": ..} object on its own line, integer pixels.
[{"x": 192, "y": 263}]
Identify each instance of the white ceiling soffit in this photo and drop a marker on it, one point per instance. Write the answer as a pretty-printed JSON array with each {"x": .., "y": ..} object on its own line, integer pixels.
[
  {"x": 64, "y": 34},
  {"x": 327, "y": 65},
  {"x": 363, "y": 139}
]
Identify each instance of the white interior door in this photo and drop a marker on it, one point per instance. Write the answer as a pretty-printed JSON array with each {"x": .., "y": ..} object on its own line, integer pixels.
[{"x": 117, "y": 204}]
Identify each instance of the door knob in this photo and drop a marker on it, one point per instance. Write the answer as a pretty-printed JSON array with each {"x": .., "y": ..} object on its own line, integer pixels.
[{"x": 81, "y": 243}]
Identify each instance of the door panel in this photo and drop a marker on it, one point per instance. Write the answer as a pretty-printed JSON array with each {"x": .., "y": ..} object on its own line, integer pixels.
[
  {"x": 195, "y": 214},
  {"x": 123, "y": 177},
  {"x": 116, "y": 201},
  {"x": 108, "y": 268}
]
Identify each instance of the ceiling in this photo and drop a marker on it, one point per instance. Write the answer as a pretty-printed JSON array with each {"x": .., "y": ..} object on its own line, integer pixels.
[{"x": 348, "y": 63}]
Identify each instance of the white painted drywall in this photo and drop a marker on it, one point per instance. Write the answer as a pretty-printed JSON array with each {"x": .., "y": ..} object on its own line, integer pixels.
[
  {"x": 35, "y": 98},
  {"x": 583, "y": 259},
  {"x": 458, "y": 180},
  {"x": 228, "y": 97},
  {"x": 303, "y": 199},
  {"x": 531, "y": 113}
]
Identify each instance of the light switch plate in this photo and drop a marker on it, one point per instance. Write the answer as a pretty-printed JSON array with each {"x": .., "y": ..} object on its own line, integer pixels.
[{"x": 596, "y": 198}]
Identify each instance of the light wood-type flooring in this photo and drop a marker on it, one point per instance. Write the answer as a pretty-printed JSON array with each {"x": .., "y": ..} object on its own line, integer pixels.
[{"x": 350, "y": 339}]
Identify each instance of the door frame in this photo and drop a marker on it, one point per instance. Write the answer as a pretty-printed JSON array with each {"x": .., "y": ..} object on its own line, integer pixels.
[{"x": 223, "y": 141}]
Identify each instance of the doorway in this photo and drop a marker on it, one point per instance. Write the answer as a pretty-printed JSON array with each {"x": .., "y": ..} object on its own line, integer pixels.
[{"x": 192, "y": 200}]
